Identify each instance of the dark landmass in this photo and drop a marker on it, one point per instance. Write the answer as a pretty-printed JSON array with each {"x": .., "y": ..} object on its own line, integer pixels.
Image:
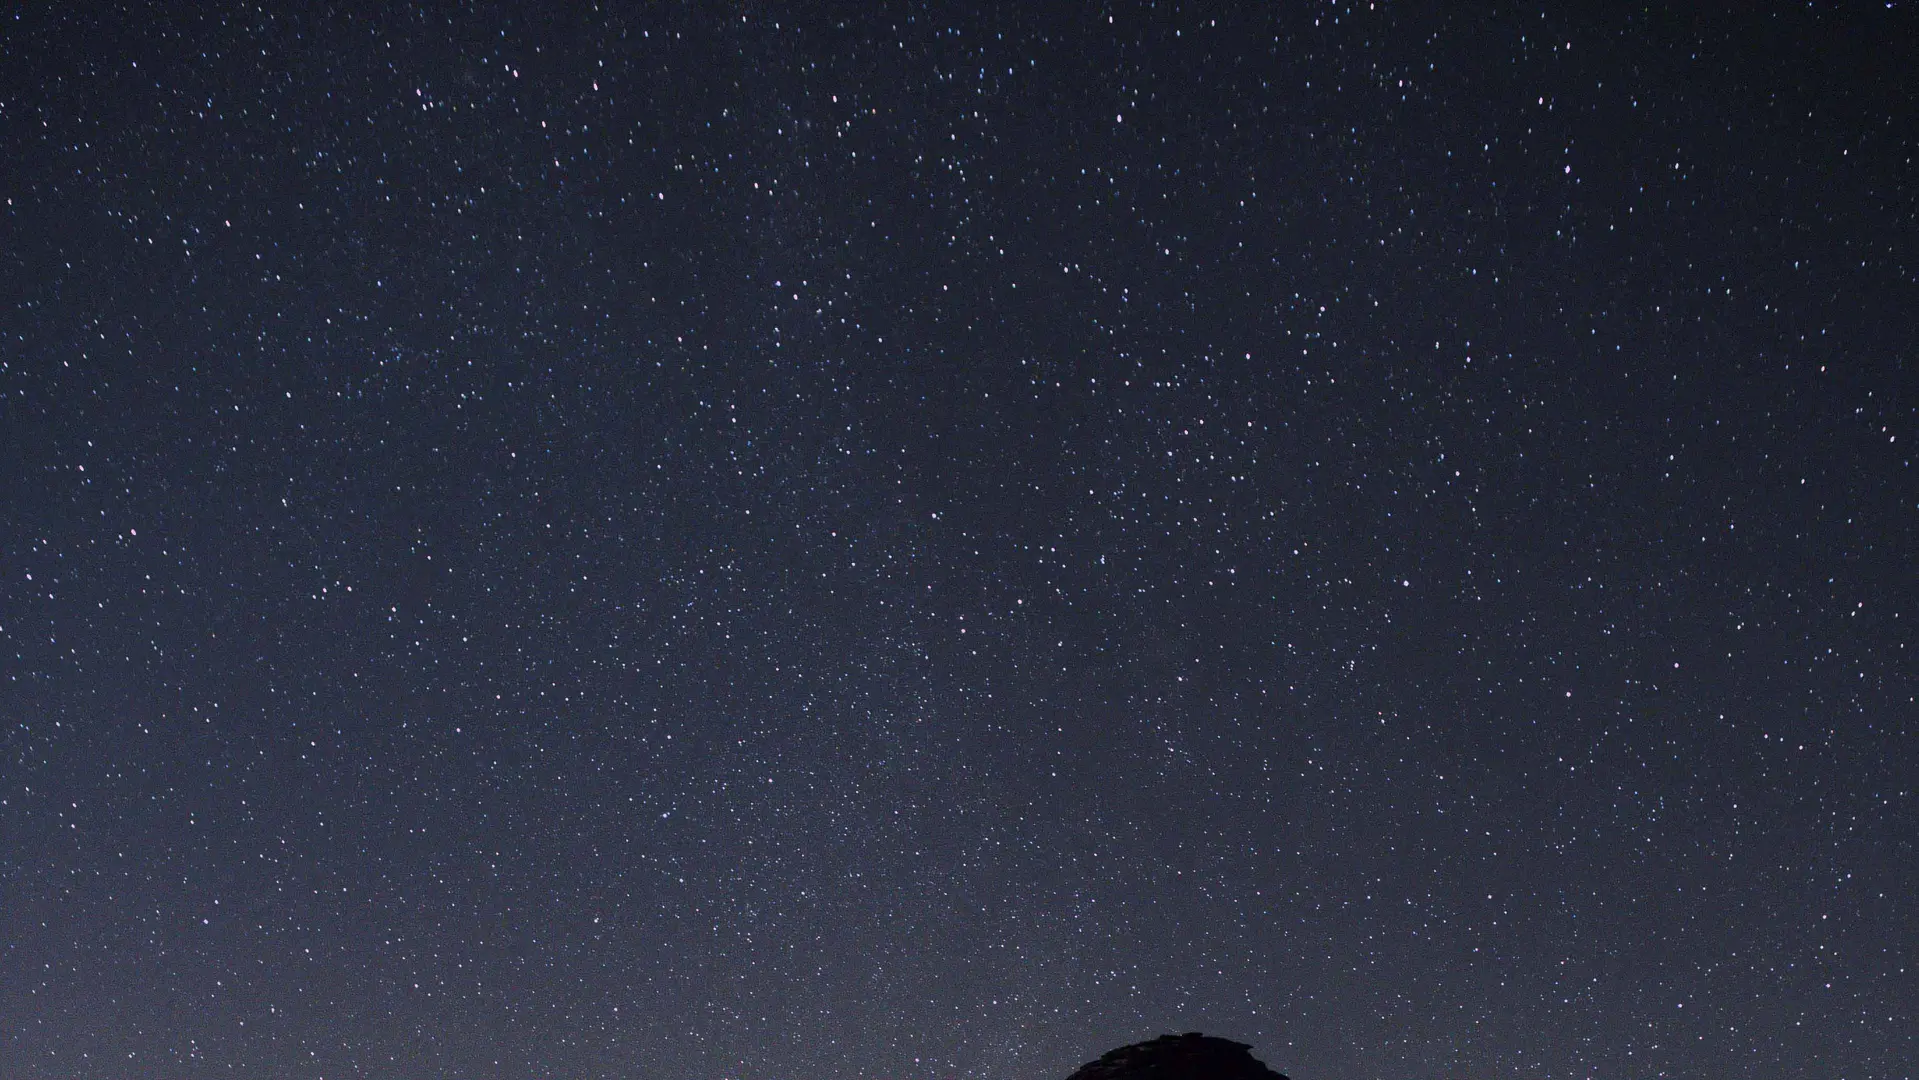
[{"x": 1191, "y": 1056}]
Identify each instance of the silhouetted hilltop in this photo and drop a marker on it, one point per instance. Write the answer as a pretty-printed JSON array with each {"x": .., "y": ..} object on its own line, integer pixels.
[{"x": 1191, "y": 1056}]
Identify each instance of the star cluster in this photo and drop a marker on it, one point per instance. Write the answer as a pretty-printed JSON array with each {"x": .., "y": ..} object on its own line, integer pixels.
[{"x": 758, "y": 541}]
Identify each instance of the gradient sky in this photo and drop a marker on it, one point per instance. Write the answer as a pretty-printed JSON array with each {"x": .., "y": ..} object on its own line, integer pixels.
[{"x": 770, "y": 542}]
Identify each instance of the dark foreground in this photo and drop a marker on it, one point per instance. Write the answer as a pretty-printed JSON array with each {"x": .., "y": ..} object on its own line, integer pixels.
[{"x": 1191, "y": 1056}]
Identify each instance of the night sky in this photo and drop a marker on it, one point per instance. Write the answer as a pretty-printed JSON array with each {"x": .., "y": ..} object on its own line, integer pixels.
[{"x": 764, "y": 542}]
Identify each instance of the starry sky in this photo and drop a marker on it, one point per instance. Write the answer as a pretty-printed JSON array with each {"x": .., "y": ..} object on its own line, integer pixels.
[{"x": 764, "y": 542}]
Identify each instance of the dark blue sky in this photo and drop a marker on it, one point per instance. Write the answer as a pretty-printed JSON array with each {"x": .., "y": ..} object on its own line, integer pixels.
[{"x": 767, "y": 542}]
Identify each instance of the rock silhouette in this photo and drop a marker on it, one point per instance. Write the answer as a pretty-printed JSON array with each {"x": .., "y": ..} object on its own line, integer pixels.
[{"x": 1191, "y": 1056}]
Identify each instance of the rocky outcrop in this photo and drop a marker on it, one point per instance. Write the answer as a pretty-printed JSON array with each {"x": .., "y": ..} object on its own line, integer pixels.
[{"x": 1191, "y": 1056}]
